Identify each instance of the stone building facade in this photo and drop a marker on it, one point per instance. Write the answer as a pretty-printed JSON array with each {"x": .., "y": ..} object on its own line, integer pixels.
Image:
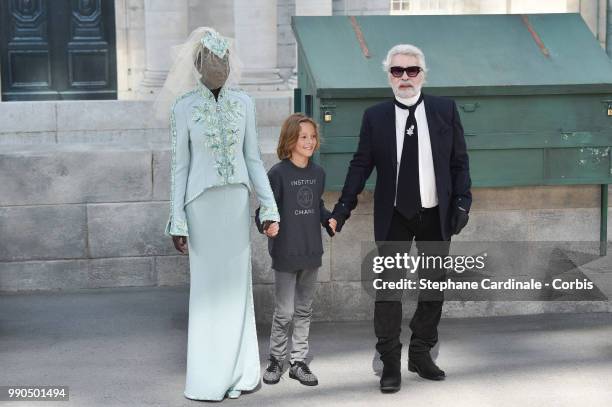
[{"x": 147, "y": 29}]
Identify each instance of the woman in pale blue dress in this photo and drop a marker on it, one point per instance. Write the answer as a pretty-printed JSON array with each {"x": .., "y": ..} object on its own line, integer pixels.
[{"x": 215, "y": 164}]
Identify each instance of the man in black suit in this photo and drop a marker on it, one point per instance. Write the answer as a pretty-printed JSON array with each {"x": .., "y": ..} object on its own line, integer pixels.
[{"x": 422, "y": 193}]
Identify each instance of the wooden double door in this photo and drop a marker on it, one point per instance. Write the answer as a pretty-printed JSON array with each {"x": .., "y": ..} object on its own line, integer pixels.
[{"x": 57, "y": 49}]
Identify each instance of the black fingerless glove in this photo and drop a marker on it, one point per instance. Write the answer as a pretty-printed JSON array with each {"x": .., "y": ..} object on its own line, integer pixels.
[{"x": 459, "y": 220}]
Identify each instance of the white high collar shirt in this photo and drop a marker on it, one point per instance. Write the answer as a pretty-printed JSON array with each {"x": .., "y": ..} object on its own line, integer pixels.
[{"x": 427, "y": 175}]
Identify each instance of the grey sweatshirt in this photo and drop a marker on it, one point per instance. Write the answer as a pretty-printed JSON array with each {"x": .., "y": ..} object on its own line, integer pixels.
[{"x": 298, "y": 193}]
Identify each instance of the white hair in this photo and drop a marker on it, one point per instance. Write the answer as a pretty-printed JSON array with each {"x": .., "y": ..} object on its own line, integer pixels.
[{"x": 405, "y": 49}]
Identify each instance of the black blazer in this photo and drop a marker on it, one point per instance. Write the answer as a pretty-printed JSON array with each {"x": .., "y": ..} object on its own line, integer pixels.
[{"x": 377, "y": 149}]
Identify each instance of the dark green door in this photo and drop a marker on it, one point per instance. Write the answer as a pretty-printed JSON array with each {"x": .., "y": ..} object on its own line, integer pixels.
[{"x": 57, "y": 49}]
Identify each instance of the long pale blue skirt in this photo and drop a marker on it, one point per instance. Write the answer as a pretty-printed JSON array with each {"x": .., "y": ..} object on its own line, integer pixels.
[{"x": 222, "y": 351}]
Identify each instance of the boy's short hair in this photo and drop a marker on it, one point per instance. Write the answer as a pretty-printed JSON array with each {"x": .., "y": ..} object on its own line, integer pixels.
[{"x": 290, "y": 132}]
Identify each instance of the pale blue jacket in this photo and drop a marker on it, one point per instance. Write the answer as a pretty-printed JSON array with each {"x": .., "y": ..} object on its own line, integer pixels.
[{"x": 214, "y": 143}]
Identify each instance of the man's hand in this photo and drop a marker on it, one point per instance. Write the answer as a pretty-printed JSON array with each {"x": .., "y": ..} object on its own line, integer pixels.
[
  {"x": 332, "y": 224},
  {"x": 340, "y": 214},
  {"x": 459, "y": 220},
  {"x": 271, "y": 228},
  {"x": 180, "y": 244},
  {"x": 339, "y": 221}
]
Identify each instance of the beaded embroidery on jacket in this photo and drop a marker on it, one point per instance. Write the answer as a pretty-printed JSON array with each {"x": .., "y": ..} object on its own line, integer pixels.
[
  {"x": 178, "y": 227},
  {"x": 221, "y": 128},
  {"x": 220, "y": 120}
]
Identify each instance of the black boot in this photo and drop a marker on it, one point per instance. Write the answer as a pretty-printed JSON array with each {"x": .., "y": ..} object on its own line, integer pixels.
[
  {"x": 387, "y": 326},
  {"x": 422, "y": 364},
  {"x": 391, "y": 377}
]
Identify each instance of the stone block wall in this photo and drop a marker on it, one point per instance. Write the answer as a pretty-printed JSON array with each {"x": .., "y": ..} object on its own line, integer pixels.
[
  {"x": 84, "y": 190},
  {"x": 111, "y": 122},
  {"x": 92, "y": 216}
]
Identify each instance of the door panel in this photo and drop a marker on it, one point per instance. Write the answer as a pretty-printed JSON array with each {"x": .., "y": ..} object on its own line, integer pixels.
[{"x": 57, "y": 49}]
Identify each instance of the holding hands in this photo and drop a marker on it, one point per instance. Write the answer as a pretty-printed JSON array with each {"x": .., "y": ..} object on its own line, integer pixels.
[
  {"x": 271, "y": 228},
  {"x": 332, "y": 224}
]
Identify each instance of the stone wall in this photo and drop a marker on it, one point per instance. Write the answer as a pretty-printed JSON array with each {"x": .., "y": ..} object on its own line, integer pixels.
[
  {"x": 287, "y": 52},
  {"x": 83, "y": 203}
]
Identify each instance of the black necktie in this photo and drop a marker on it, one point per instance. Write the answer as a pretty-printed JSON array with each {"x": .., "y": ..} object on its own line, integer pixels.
[{"x": 408, "y": 198}]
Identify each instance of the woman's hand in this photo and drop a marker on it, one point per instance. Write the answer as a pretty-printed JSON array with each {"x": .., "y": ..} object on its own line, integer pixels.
[
  {"x": 180, "y": 244},
  {"x": 272, "y": 229}
]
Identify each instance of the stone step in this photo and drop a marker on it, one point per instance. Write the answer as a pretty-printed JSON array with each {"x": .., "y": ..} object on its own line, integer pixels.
[
  {"x": 86, "y": 173},
  {"x": 268, "y": 137},
  {"x": 108, "y": 120}
]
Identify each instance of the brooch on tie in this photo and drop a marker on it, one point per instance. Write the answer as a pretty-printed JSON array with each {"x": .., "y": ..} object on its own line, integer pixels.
[{"x": 410, "y": 130}]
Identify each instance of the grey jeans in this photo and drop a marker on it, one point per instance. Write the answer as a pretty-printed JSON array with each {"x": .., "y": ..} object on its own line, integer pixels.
[{"x": 293, "y": 293}]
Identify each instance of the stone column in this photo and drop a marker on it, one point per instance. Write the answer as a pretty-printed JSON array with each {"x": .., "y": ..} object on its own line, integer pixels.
[
  {"x": 309, "y": 8},
  {"x": 256, "y": 38},
  {"x": 602, "y": 22},
  {"x": 313, "y": 7},
  {"x": 594, "y": 15},
  {"x": 609, "y": 29},
  {"x": 166, "y": 24},
  {"x": 121, "y": 41},
  {"x": 217, "y": 14}
]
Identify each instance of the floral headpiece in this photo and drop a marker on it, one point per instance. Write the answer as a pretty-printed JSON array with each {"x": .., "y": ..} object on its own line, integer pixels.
[{"x": 215, "y": 43}]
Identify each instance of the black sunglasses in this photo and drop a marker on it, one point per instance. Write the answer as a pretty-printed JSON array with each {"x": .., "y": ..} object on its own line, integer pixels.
[{"x": 411, "y": 71}]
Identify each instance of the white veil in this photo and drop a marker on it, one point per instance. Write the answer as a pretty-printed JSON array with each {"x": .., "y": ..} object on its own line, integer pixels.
[{"x": 183, "y": 75}]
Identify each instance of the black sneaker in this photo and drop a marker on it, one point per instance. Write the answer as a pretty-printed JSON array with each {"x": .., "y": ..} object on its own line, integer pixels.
[
  {"x": 273, "y": 372},
  {"x": 301, "y": 372}
]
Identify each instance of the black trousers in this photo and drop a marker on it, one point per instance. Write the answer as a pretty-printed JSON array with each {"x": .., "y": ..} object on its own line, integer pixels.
[{"x": 425, "y": 229}]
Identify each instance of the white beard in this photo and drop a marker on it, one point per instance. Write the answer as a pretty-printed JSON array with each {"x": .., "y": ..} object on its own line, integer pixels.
[
  {"x": 409, "y": 101},
  {"x": 406, "y": 93}
]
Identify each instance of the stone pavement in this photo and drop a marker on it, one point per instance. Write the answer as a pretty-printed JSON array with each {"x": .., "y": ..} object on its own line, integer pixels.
[{"x": 126, "y": 347}]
